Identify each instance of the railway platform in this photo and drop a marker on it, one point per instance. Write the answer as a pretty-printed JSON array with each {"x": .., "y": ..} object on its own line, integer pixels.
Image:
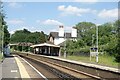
[
  {"x": 88, "y": 69},
  {"x": 18, "y": 68}
]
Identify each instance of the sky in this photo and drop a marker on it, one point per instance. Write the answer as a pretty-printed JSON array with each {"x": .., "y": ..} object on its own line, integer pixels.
[{"x": 48, "y": 15}]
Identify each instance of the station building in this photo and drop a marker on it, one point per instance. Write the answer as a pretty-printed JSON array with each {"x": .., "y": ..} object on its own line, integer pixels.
[
  {"x": 46, "y": 49},
  {"x": 60, "y": 36}
]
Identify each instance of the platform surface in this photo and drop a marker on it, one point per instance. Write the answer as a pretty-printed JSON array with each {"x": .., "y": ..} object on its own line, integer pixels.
[
  {"x": 10, "y": 68},
  {"x": 16, "y": 67}
]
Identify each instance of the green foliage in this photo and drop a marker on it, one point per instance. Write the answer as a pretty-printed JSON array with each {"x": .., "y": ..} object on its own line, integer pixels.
[
  {"x": 117, "y": 56},
  {"x": 33, "y": 38},
  {"x": 104, "y": 59},
  {"x": 3, "y": 26},
  {"x": 6, "y": 35},
  {"x": 19, "y": 36},
  {"x": 76, "y": 47},
  {"x": 43, "y": 37},
  {"x": 26, "y": 36},
  {"x": 108, "y": 39},
  {"x": 85, "y": 31},
  {"x": 79, "y": 43}
]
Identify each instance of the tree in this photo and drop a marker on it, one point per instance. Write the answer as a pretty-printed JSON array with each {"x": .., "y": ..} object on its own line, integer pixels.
[
  {"x": 4, "y": 25},
  {"x": 85, "y": 31},
  {"x": 6, "y": 35},
  {"x": 33, "y": 38},
  {"x": 1, "y": 31},
  {"x": 42, "y": 37},
  {"x": 117, "y": 56},
  {"x": 19, "y": 36},
  {"x": 27, "y": 36},
  {"x": 108, "y": 38}
]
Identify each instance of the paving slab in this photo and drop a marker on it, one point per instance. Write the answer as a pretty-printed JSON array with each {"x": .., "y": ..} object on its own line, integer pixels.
[{"x": 10, "y": 68}]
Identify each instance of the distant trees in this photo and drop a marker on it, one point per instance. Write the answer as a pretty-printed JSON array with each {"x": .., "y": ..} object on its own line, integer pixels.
[
  {"x": 19, "y": 36},
  {"x": 27, "y": 36},
  {"x": 85, "y": 31}
]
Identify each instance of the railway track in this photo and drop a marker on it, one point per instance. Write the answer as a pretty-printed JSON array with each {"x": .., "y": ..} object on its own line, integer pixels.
[{"x": 62, "y": 70}]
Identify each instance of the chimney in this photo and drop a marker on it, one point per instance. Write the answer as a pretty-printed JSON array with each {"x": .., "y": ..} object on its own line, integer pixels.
[
  {"x": 61, "y": 31},
  {"x": 74, "y": 32}
]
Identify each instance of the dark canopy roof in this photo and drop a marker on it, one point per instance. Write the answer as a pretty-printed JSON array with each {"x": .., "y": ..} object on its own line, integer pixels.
[
  {"x": 22, "y": 44},
  {"x": 56, "y": 35},
  {"x": 44, "y": 44}
]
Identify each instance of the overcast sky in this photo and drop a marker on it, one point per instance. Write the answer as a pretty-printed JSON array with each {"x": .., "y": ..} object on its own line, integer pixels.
[{"x": 47, "y": 16}]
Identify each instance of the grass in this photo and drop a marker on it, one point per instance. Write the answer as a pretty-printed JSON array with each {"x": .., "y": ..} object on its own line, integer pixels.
[{"x": 104, "y": 60}]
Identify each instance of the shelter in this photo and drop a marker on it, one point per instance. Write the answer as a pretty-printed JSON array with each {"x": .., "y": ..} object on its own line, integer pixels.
[
  {"x": 21, "y": 46},
  {"x": 46, "y": 49}
]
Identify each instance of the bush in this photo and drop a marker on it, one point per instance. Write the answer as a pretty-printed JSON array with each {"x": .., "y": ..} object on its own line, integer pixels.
[
  {"x": 79, "y": 51},
  {"x": 117, "y": 58}
]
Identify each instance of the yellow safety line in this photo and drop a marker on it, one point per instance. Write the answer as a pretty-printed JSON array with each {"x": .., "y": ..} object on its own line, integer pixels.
[{"x": 22, "y": 69}]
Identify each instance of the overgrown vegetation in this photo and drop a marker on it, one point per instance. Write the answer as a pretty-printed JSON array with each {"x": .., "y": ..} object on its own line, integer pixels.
[
  {"x": 104, "y": 60},
  {"x": 107, "y": 39}
]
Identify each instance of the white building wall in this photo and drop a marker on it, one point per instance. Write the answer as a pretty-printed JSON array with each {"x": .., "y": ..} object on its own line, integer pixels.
[
  {"x": 61, "y": 31},
  {"x": 74, "y": 32},
  {"x": 61, "y": 34},
  {"x": 58, "y": 40}
]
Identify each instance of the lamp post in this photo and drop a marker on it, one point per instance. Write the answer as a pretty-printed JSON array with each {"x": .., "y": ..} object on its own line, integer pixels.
[
  {"x": 2, "y": 39},
  {"x": 1, "y": 35},
  {"x": 97, "y": 44},
  {"x": 65, "y": 55},
  {"x": 93, "y": 40}
]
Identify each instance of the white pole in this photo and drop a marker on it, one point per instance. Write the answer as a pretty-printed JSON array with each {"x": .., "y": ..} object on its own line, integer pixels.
[
  {"x": 92, "y": 45},
  {"x": 93, "y": 40},
  {"x": 90, "y": 54},
  {"x": 97, "y": 43},
  {"x": 65, "y": 47},
  {"x": 2, "y": 39}
]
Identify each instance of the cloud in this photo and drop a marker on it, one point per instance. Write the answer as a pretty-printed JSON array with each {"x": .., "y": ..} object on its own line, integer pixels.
[
  {"x": 98, "y": 24},
  {"x": 71, "y": 10},
  {"x": 37, "y": 21},
  {"x": 52, "y": 22},
  {"x": 53, "y": 30},
  {"x": 14, "y": 5},
  {"x": 86, "y": 0},
  {"x": 29, "y": 28},
  {"x": 20, "y": 28},
  {"x": 61, "y": 8},
  {"x": 15, "y": 21},
  {"x": 112, "y": 13},
  {"x": 12, "y": 32},
  {"x": 59, "y": 0}
]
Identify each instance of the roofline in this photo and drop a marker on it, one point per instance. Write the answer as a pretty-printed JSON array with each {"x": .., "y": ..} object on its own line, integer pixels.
[{"x": 44, "y": 44}]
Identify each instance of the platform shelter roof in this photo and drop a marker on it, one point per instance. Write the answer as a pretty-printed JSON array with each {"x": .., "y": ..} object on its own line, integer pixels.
[{"x": 44, "y": 44}]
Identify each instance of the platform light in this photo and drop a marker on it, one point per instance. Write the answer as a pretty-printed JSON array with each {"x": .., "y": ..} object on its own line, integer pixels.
[
  {"x": 65, "y": 55},
  {"x": 3, "y": 40},
  {"x": 97, "y": 44}
]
